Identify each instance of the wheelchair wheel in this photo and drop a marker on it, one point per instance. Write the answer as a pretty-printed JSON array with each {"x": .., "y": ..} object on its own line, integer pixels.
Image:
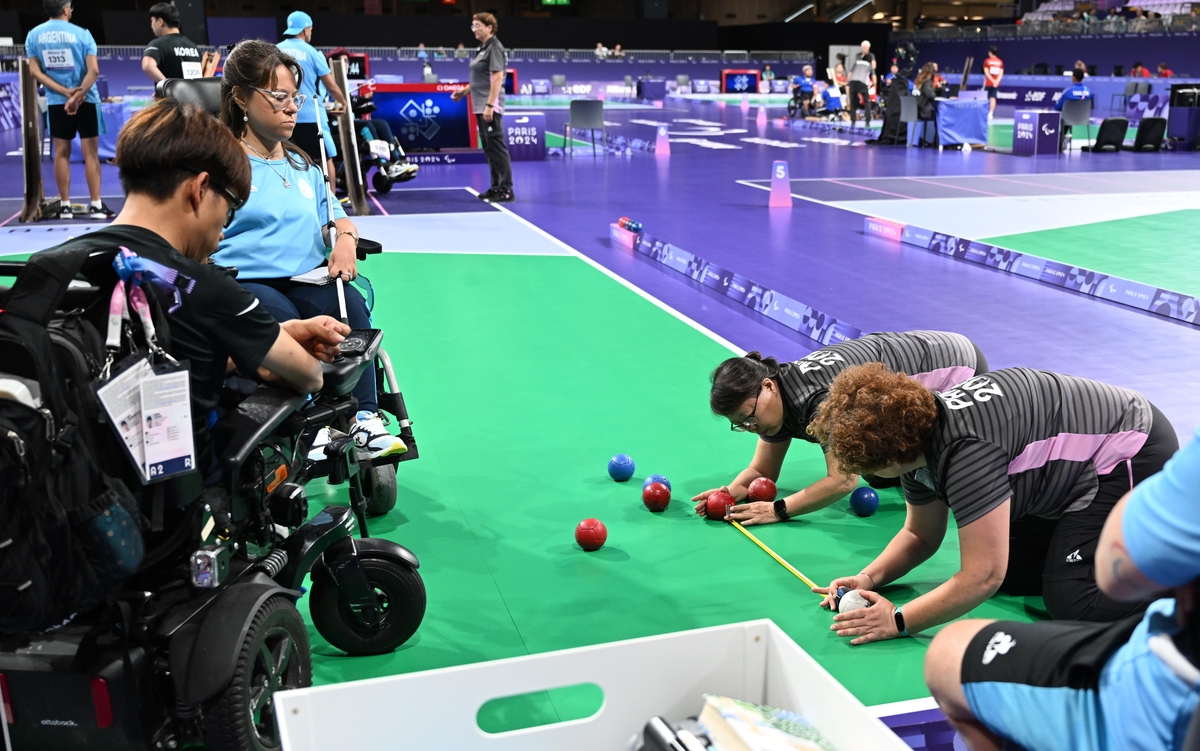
[
  {"x": 383, "y": 499},
  {"x": 381, "y": 182},
  {"x": 401, "y": 593},
  {"x": 274, "y": 657},
  {"x": 793, "y": 108}
]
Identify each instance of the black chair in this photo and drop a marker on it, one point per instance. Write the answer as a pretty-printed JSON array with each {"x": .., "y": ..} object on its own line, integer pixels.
[
  {"x": 205, "y": 92},
  {"x": 1091, "y": 70},
  {"x": 1111, "y": 136},
  {"x": 1130, "y": 90},
  {"x": 1118, "y": 71},
  {"x": 1058, "y": 70},
  {"x": 1150, "y": 136},
  {"x": 1043, "y": 69},
  {"x": 1143, "y": 88}
]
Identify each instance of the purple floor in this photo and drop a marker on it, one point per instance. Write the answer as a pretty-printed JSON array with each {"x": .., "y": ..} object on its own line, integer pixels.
[{"x": 818, "y": 254}]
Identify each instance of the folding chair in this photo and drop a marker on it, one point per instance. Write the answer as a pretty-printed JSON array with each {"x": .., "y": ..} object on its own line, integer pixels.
[{"x": 585, "y": 114}]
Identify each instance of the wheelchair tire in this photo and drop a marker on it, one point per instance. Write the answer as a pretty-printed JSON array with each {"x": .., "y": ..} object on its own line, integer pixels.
[
  {"x": 399, "y": 589},
  {"x": 383, "y": 499},
  {"x": 274, "y": 657},
  {"x": 793, "y": 108},
  {"x": 381, "y": 183}
]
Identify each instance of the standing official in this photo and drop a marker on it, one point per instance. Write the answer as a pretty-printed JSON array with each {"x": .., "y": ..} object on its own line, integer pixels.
[
  {"x": 171, "y": 54},
  {"x": 62, "y": 57},
  {"x": 862, "y": 77},
  {"x": 993, "y": 73},
  {"x": 487, "y": 102},
  {"x": 297, "y": 42}
]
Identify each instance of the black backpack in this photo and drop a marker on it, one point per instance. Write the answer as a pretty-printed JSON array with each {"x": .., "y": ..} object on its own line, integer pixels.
[{"x": 69, "y": 532}]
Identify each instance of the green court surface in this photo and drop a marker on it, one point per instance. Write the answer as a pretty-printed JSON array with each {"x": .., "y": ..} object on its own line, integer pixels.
[
  {"x": 1143, "y": 249},
  {"x": 1000, "y": 135},
  {"x": 523, "y": 375}
]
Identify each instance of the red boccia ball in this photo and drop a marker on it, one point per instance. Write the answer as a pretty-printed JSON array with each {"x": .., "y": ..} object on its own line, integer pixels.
[
  {"x": 591, "y": 534},
  {"x": 763, "y": 489},
  {"x": 717, "y": 504},
  {"x": 656, "y": 496}
]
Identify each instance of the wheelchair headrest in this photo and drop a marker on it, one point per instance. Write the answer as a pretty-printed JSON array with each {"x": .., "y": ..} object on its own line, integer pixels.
[{"x": 205, "y": 92}]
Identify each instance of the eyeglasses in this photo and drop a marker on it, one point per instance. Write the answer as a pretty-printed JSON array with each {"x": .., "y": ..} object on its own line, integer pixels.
[
  {"x": 751, "y": 422},
  {"x": 232, "y": 201},
  {"x": 476, "y": 26},
  {"x": 280, "y": 99}
]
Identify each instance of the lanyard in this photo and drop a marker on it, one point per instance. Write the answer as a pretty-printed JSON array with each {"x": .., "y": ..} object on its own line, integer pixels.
[{"x": 119, "y": 321}]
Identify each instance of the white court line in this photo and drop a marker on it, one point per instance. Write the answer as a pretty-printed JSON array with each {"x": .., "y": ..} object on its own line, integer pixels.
[
  {"x": 624, "y": 282},
  {"x": 1195, "y": 173},
  {"x": 903, "y": 707},
  {"x": 767, "y": 188}
]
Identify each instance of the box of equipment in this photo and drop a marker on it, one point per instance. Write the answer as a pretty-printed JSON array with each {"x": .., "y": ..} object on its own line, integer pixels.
[{"x": 663, "y": 676}]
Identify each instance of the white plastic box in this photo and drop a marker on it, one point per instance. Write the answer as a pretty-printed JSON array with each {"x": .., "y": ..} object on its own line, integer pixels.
[{"x": 641, "y": 678}]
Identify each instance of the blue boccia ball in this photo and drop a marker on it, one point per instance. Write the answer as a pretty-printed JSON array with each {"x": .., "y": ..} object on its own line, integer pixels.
[
  {"x": 656, "y": 478},
  {"x": 864, "y": 501},
  {"x": 621, "y": 467}
]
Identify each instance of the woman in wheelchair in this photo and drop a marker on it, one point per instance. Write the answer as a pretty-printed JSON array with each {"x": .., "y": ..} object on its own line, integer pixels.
[
  {"x": 277, "y": 235},
  {"x": 185, "y": 177}
]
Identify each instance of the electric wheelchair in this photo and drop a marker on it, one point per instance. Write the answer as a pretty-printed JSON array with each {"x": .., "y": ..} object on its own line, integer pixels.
[
  {"x": 378, "y": 148},
  {"x": 194, "y": 644}
]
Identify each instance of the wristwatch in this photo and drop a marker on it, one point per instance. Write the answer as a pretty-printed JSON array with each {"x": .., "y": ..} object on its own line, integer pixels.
[
  {"x": 900, "y": 622},
  {"x": 781, "y": 510}
]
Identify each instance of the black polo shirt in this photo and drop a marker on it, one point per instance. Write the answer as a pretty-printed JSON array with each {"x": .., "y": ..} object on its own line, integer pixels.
[{"x": 176, "y": 56}]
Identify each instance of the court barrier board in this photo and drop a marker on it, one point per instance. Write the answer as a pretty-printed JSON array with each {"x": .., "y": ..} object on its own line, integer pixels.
[
  {"x": 663, "y": 675},
  {"x": 1164, "y": 302}
]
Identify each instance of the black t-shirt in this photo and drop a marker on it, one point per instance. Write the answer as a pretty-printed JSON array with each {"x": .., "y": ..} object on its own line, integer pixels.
[
  {"x": 212, "y": 318},
  {"x": 176, "y": 56}
]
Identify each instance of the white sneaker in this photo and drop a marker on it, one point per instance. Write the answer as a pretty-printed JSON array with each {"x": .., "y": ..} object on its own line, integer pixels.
[
  {"x": 369, "y": 433},
  {"x": 317, "y": 452}
]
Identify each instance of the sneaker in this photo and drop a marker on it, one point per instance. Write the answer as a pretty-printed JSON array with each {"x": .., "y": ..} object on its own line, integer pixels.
[
  {"x": 502, "y": 196},
  {"x": 487, "y": 195},
  {"x": 100, "y": 212},
  {"x": 64, "y": 210},
  {"x": 369, "y": 433},
  {"x": 317, "y": 452}
]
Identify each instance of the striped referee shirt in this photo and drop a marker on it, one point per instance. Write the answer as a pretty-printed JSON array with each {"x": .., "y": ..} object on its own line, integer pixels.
[
  {"x": 1040, "y": 438},
  {"x": 937, "y": 359}
]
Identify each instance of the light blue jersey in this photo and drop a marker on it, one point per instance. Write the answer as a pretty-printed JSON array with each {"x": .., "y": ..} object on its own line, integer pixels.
[
  {"x": 313, "y": 65},
  {"x": 277, "y": 234},
  {"x": 1161, "y": 524},
  {"x": 61, "y": 49}
]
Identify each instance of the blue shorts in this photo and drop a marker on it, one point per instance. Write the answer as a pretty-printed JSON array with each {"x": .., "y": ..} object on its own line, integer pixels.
[{"x": 1073, "y": 686}]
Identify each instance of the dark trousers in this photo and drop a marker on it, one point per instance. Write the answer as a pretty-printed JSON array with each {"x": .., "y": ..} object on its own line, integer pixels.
[
  {"x": 1056, "y": 557},
  {"x": 495, "y": 147},
  {"x": 860, "y": 96},
  {"x": 308, "y": 140},
  {"x": 289, "y": 301}
]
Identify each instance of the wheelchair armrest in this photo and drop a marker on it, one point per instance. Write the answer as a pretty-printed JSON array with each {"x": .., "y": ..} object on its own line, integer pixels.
[
  {"x": 256, "y": 418},
  {"x": 368, "y": 248}
]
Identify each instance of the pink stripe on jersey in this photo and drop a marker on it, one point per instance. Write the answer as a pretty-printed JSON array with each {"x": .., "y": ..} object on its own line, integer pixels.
[
  {"x": 943, "y": 379},
  {"x": 1105, "y": 450}
]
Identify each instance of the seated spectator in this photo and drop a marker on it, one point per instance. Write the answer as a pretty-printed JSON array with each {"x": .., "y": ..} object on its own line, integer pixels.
[
  {"x": 439, "y": 53},
  {"x": 1129, "y": 684},
  {"x": 421, "y": 53},
  {"x": 1078, "y": 90},
  {"x": 767, "y": 73},
  {"x": 1080, "y": 65},
  {"x": 173, "y": 216},
  {"x": 601, "y": 51},
  {"x": 839, "y": 75},
  {"x": 618, "y": 52},
  {"x": 891, "y": 74},
  {"x": 924, "y": 90},
  {"x": 1138, "y": 71},
  {"x": 1164, "y": 71}
]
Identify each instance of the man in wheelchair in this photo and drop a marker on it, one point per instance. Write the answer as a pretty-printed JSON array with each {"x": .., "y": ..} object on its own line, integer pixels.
[
  {"x": 802, "y": 94},
  {"x": 192, "y": 645}
]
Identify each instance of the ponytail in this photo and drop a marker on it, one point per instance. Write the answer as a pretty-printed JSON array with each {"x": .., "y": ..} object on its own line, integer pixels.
[{"x": 738, "y": 379}]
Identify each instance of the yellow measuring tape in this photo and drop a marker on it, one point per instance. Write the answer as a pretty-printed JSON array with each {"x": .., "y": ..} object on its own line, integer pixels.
[{"x": 775, "y": 555}]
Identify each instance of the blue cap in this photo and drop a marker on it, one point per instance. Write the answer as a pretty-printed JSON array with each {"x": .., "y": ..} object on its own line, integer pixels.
[{"x": 297, "y": 21}]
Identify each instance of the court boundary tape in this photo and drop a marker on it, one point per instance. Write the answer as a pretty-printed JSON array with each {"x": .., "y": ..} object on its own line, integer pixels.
[
  {"x": 624, "y": 282},
  {"x": 1146, "y": 298},
  {"x": 770, "y": 304}
]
